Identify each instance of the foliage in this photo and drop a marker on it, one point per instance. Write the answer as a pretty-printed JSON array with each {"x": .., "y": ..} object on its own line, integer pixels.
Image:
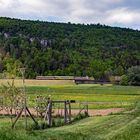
[
  {"x": 98, "y": 69},
  {"x": 41, "y": 103},
  {"x": 11, "y": 67},
  {"x": 57, "y": 122},
  {"x": 41, "y": 126},
  {"x": 81, "y": 116},
  {"x": 132, "y": 77},
  {"x": 11, "y": 97},
  {"x": 66, "y": 49},
  {"x": 124, "y": 80}
]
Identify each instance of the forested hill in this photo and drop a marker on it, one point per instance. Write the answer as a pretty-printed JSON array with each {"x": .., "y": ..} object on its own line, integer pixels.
[{"x": 47, "y": 48}]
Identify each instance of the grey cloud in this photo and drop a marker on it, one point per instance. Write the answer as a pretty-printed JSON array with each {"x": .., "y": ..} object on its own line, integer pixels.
[
  {"x": 133, "y": 4},
  {"x": 112, "y": 12}
]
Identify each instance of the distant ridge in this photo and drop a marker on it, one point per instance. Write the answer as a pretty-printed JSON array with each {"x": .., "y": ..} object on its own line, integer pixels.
[{"x": 48, "y": 48}]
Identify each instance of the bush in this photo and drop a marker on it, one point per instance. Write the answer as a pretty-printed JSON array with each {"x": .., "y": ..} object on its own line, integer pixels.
[
  {"x": 124, "y": 80},
  {"x": 134, "y": 75}
]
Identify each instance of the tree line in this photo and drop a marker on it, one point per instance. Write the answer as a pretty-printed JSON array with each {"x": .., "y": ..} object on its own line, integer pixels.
[{"x": 47, "y": 48}]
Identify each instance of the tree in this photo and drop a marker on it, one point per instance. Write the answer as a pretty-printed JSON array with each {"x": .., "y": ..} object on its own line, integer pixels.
[
  {"x": 134, "y": 75},
  {"x": 11, "y": 67},
  {"x": 11, "y": 95},
  {"x": 72, "y": 49},
  {"x": 98, "y": 69}
]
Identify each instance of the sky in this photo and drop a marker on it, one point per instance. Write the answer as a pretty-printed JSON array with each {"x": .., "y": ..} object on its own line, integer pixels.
[{"x": 122, "y": 13}]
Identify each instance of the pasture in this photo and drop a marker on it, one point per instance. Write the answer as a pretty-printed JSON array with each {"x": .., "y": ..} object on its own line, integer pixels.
[
  {"x": 98, "y": 96},
  {"x": 119, "y": 126}
]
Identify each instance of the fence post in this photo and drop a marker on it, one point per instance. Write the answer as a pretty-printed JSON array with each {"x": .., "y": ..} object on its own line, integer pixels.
[
  {"x": 65, "y": 112},
  {"x": 87, "y": 108},
  {"x": 50, "y": 113},
  {"x": 69, "y": 112}
]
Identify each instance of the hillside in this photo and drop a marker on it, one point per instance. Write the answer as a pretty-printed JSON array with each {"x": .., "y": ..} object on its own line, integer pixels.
[{"x": 47, "y": 48}]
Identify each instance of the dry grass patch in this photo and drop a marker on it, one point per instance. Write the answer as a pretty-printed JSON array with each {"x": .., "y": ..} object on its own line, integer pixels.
[{"x": 31, "y": 82}]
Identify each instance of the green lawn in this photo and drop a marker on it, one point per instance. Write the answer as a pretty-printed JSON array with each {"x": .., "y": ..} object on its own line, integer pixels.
[
  {"x": 113, "y": 127},
  {"x": 102, "y": 96}
]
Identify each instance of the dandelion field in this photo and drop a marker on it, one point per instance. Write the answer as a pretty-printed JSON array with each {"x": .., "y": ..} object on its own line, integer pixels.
[{"x": 97, "y": 96}]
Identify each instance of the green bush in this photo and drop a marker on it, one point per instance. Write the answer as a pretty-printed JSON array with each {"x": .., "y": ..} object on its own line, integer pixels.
[
  {"x": 134, "y": 75},
  {"x": 124, "y": 80}
]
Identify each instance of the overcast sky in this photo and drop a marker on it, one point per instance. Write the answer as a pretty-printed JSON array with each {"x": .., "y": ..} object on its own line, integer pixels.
[{"x": 123, "y": 13}]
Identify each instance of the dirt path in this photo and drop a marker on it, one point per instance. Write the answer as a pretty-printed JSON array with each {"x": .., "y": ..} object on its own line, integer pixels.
[
  {"x": 91, "y": 112},
  {"x": 104, "y": 112}
]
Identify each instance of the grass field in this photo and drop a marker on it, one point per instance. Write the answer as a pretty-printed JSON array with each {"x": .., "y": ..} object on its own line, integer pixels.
[
  {"x": 121, "y": 126},
  {"x": 101, "y": 96},
  {"x": 114, "y": 127},
  {"x": 106, "y": 96}
]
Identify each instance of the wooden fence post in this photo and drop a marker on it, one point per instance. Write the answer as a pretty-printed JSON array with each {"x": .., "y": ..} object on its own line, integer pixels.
[
  {"x": 65, "y": 112},
  {"x": 69, "y": 111},
  {"x": 87, "y": 108},
  {"x": 50, "y": 113}
]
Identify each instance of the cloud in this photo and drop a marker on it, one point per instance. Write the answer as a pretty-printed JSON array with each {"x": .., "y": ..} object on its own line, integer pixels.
[{"x": 123, "y": 13}]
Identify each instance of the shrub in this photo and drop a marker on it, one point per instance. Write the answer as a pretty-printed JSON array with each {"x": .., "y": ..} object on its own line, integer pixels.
[
  {"x": 124, "y": 80},
  {"x": 134, "y": 75}
]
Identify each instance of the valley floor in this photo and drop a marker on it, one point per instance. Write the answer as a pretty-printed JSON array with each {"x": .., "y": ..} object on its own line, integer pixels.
[
  {"x": 120, "y": 126},
  {"x": 113, "y": 127}
]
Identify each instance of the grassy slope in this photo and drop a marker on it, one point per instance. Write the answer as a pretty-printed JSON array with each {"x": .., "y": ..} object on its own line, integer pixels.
[{"x": 114, "y": 127}]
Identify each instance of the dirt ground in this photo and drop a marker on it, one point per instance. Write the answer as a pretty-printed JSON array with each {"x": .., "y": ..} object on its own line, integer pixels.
[{"x": 91, "y": 112}]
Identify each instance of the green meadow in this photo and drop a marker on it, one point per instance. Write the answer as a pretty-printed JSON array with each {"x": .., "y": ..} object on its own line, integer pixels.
[
  {"x": 98, "y": 97},
  {"x": 119, "y": 126},
  {"x": 123, "y": 126}
]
